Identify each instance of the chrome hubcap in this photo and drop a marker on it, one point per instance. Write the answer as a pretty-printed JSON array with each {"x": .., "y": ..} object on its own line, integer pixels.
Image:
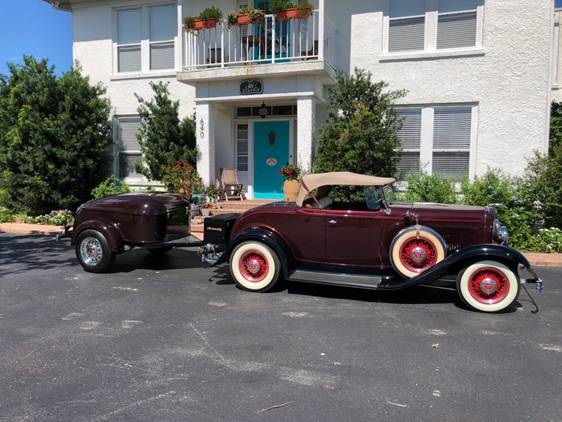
[
  {"x": 253, "y": 266},
  {"x": 91, "y": 251},
  {"x": 418, "y": 255},
  {"x": 488, "y": 286}
]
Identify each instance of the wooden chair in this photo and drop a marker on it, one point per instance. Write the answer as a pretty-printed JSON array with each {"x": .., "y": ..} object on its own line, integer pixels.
[{"x": 230, "y": 186}]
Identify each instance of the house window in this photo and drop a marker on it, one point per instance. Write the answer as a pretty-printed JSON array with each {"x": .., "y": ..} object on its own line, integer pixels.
[
  {"x": 129, "y": 40},
  {"x": 451, "y": 141},
  {"x": 146, "y": 38},
  {"x": 456, "y": 24},
  {"x": 406, "y": 25},
  {"x": 163, "y": 29},
  {"x": 430, "y": 25},
  {"x": 242, "y": 147},
  {"x": 127, "y": 146},
  {"x": 437, "y": 140},
  {"x": 410, "y": 135}
]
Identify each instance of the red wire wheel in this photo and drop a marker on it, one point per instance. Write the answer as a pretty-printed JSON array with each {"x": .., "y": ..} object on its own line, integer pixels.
[
  {"x": 418, "y": 254},
  {"x": 253, "y": 266},
  {"x": 488, "y": 286},
  {"x": 415, "y": 249}
]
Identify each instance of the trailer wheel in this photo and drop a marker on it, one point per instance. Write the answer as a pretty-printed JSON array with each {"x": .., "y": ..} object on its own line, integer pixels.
[
  {"x": 415, "y": 249},
  {"x": 488, "y": 286},
  {"x": 93, "y": 251},
  {"x": 254, "y": 266}
]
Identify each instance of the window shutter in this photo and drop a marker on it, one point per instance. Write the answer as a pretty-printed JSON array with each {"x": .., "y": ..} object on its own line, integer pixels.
[
  {"x": 451, "y": 128},
  {"x": 129, "y": 58},
  {"x": 127, "y": 142},
  {"x": 129, "y": 26},
  {"x": 456, "y": 30},
  {"x": 163, "y": 25},
  {"x": 128, "y": 129},
  {"x": 406, "y": 34},
  {"x": 409, "y": 134},
  {"x": 451, "y": 141},
  {"x": 162, "y": 56}
]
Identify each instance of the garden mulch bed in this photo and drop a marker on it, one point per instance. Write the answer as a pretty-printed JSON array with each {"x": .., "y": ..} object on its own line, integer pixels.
[{"x": 539, "y": 259}]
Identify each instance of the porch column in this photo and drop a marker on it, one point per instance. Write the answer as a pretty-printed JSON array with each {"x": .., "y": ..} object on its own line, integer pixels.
[
  {"x": 306, "y": 119},
  {"x": 205, "y": 142}
]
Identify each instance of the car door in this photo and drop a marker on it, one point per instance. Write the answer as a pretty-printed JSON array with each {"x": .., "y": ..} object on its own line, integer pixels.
[{"x": 357, "y": 237}]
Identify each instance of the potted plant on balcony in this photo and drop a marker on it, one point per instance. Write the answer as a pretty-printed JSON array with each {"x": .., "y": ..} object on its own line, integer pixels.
[
  {"x": 291, "y": 185},
  {"x": 208, "y": 18},
  {"x": 286, "y": 10},
  {"x": 245, "y": 16}
]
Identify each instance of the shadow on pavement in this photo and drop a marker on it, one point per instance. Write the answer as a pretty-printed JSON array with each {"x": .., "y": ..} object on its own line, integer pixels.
[{"x": 23, "y": 253}]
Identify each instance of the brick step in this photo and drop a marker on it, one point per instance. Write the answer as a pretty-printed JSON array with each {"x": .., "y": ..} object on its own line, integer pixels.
[
  {"x": 221, "y": 211},
  {"x": 242, "y": 204}
]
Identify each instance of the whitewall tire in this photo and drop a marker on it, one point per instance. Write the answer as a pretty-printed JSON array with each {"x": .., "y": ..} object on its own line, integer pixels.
[
  {"x": 488, "y": 286},
  {"x": 415, "y": 249},
  {"x": 255, "y": 266}
]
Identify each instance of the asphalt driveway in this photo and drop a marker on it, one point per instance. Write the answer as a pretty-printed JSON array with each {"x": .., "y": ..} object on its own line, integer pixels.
[{"x": 169, "y": 340}]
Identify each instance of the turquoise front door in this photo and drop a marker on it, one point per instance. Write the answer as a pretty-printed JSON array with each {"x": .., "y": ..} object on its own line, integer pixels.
[{"x": 271, "y": 152}]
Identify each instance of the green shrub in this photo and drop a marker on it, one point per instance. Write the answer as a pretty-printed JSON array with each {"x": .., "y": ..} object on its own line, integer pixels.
[
  {"x": 546, "y": 240},
  {"x": 6, "y": 216},
  {"x": 361, "y": 133},
  {"x": 56, "y": 218},
  {"x": 492, "y": 188},
  {"x": 109, "y": 187},
  {"x": 424, "y": 187},
  {"x": 163, "y": 138},
  {"x": 541, "y": 187},
  {"x": 54, "y": 137}
]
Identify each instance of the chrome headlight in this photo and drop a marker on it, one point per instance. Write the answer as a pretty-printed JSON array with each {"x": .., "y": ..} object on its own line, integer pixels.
[{"x": 501, "y": 234}]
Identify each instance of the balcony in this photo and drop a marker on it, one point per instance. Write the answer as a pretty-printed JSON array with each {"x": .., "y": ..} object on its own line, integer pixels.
[{"x": 269, "y": 47}]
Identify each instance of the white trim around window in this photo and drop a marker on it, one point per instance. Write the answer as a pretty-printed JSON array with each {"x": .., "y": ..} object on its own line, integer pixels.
[
  {"x": 127, "y": 49},
  {"x": 461, "y": 30}
]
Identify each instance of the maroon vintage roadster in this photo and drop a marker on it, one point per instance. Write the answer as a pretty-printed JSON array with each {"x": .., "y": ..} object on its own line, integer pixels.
[{"x": 371, "y": 244}]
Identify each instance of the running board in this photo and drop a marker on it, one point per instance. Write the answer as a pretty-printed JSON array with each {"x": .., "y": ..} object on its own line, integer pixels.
[{"x": 363, "y": 281}]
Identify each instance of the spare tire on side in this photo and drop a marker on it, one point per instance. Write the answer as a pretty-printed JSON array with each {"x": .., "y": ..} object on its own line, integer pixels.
[{"x": 415, "y": 249}]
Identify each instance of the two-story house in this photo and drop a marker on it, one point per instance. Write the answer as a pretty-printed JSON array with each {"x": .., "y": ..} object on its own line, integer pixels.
[{"x": 477, "y": 72}]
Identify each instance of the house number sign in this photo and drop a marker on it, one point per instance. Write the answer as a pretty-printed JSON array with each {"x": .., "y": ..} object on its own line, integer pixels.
[{"x": 251, "y": 87}]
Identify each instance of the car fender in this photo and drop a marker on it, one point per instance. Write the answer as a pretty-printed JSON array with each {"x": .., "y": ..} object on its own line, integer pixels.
[
  {"x": 461, "y": 258},
  {"x": 111, "y": 233},
  {"x": 265, "y": 236}
]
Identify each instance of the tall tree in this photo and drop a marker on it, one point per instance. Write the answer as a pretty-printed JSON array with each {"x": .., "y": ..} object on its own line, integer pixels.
[
  {"x": 361, "y": 133},
  {"x": 163, "y": 138},
  {"x": 54, "y": 137}
]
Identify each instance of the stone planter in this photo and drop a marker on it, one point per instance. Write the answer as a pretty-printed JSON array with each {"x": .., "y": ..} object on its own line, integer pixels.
[{"x": 291, "y": 190}]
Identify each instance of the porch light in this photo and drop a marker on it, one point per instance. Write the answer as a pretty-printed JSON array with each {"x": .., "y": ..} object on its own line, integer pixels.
[{"x": 263, "y": 111}]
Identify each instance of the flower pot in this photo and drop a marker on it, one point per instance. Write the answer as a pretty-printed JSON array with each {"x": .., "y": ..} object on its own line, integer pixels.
[
  {"x": 293, "y": 13},
  {"x": 291, "y": 190},
  {"x": 205, "y": 212},
  {"x": 246, "y": 19},
  {"x": 199, "y": 24}
]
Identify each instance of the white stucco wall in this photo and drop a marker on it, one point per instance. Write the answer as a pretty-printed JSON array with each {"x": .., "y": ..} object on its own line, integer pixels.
[
  {"x": 509, "y": 78},
  {"x": 94, "y": 28}
]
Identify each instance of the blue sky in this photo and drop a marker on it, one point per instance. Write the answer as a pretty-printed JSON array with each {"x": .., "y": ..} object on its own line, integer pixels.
[
  {"x": 33, "y": 27},
  {"x": 558, "y": 3}
]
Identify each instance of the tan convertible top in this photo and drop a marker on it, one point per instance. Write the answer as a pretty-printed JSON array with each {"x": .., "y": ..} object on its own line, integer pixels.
[{"x": 310, "y": 182}]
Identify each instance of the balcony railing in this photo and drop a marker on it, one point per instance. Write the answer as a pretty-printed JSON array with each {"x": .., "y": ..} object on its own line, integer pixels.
[{"x": 269, "y": 41}]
